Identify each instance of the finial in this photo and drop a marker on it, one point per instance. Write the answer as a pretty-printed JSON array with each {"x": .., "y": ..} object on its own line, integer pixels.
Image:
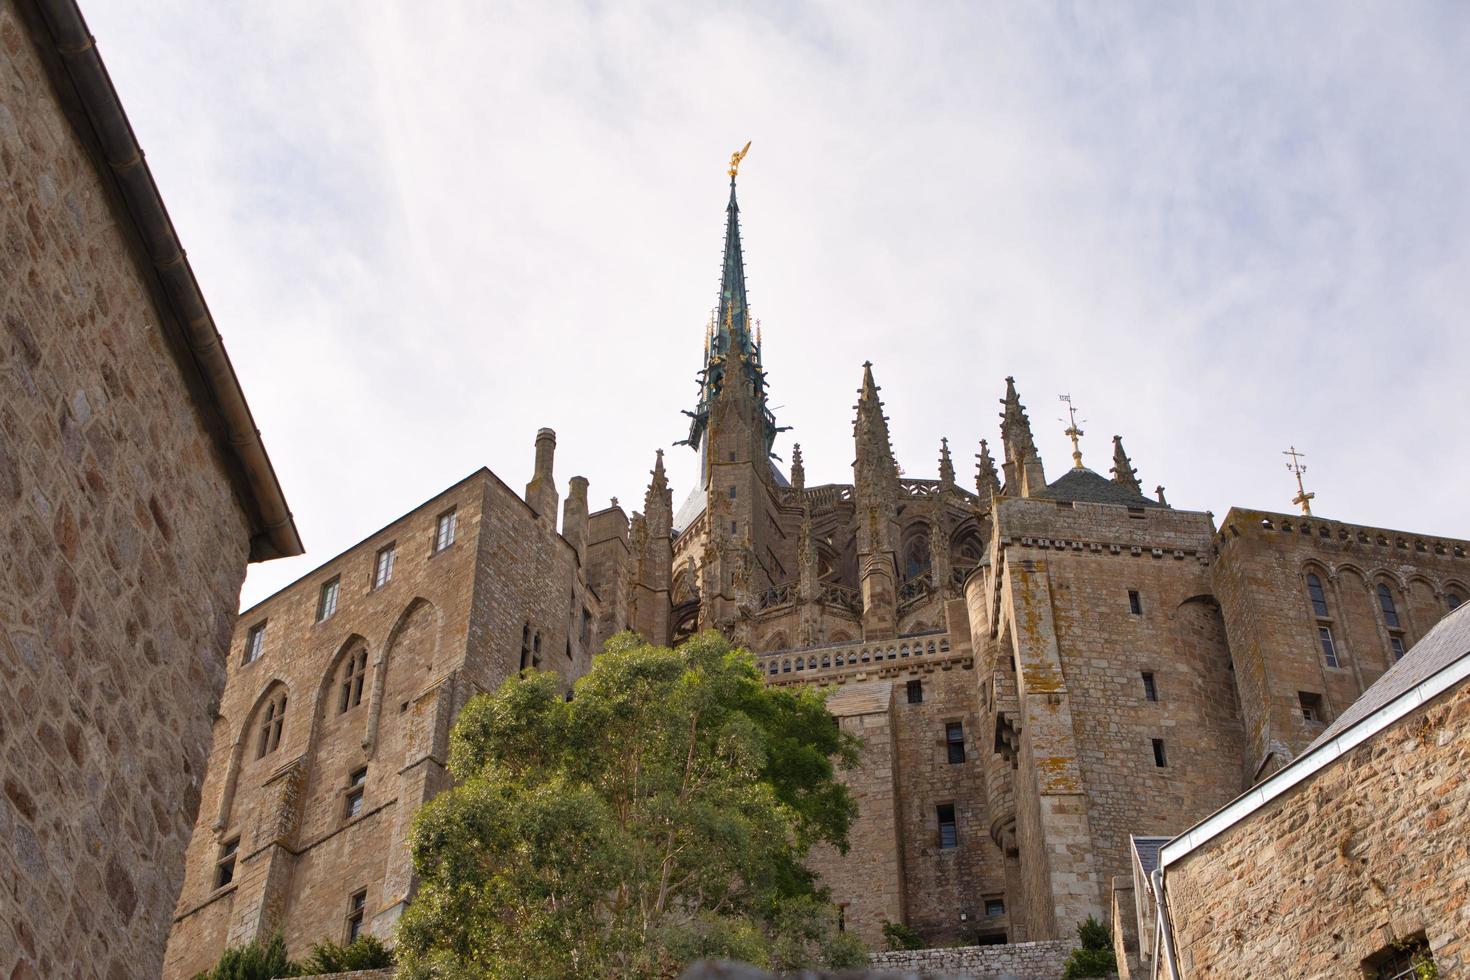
[
  {"x": 1123, "y": 471},
  {"x": 614, "y": 501},
  {"x": 1160, "y": 491},
  {"x": 1302, "y": 498},
  {"x": 1072, "y": 432},
  {"x": 735, "y": 159},
  {"x": 798, "y": 469},
  {"x": 946, "y": 467},
  {"x": 987, "y": 481}
]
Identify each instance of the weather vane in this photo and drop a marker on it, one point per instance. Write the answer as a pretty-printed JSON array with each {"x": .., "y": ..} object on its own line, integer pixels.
[
  {"x": 735, "y": 159},
  {"x": 1072, "y": 431},
  {"x": 1302, "y": 497}
]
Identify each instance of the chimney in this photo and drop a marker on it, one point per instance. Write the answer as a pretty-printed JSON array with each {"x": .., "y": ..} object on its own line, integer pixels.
[
  {"x": 574, "y": 517},
  {"x": 541, "y": 491}
]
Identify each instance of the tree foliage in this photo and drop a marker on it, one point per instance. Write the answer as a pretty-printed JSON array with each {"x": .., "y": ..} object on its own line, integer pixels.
[
  {"x": 899, "y": 936},
  {"x": 1095, "y": 957},
  {"x": 253, "y": 961},
  {"x": 365, "y": 952},
  {"x": 268, "y": 960},
  {"x": 661, "y": 815}
]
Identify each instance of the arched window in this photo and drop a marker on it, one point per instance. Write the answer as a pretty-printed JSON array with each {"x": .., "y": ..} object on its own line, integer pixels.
[
  {"x": 270, "y": 726},
  {"x": 1385, "y": 602},
  {"x": 354, "y": 670},
  {"x": 1453, "y": 600},
  {"x": 1318, "y": 597},
  {"x": 916, "y": 556},
  {"x": 968, "y": 549}
]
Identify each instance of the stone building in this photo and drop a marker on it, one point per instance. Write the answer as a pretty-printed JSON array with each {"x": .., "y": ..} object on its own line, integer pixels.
[
  {"x": 1352, "y": 860},
  {"x": 134, "y": 489},
  {"x": 335, "y": 720},
  {"x": 1043, "y": 673}
]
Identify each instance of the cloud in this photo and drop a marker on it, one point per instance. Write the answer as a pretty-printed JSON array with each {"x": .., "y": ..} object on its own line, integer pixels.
[{"x": 426, "y": 232}]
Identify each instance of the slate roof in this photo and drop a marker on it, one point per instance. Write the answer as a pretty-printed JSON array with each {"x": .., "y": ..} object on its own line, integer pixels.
[
  {"x": 1447, "y": 642},
  {"x": 1086, "y": 486},
  {"x": 1146, "y": 852}
]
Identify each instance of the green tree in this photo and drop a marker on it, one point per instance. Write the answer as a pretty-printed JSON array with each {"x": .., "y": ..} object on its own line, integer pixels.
[
  {"x": 365, "y": 952},
  {"x": 1094, "y": 958},
  {"x": 662, "y": 815},
  {"x": 253, "y": 961}
]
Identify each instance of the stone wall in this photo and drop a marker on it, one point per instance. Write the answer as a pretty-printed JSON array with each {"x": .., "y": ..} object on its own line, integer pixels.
[
  {"x": 124, "y": 546},
  {"x": 1371, "y": 850},
  {"x": 448, "y": 624},
  {"x": 1022, "y": 961},
  {"x": 1062, "y": 659},
  {"x": 1273, "y": 628}
]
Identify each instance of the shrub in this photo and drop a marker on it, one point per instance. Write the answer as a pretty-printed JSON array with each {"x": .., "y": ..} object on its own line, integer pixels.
[
  {"x": 363, "y": 953},
  {"x": 253, "y": 961},
  {"x": 1094, "y": 958},
  {"x": 899, "y": 936}
]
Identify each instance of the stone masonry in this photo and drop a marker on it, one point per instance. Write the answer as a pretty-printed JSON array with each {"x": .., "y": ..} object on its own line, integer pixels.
[
  {"x": 363, "y": 697},
  {"x": 1324, "y": 880},
  {"x": 128, "y": 511}
]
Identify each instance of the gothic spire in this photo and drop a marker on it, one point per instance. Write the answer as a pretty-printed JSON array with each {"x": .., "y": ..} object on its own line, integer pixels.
[
  {"x": 987, "y": 482},
  {"x": 1022, "y": 465},
  {"x": 798, "y": 470},
  {"x": 946, "y": 465},
  {"x": 875, "y": 465},
  {"x": 658, "y": 502},
  {"x": 1122, "y": 469},
  {"x": 731, "y": 348}
]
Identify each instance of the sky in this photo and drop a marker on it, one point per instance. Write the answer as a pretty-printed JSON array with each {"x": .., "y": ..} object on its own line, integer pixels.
[{"x": 427, "y": 230}]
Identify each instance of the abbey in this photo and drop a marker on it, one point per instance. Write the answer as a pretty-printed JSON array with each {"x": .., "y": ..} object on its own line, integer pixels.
[{"x": 1040, "y": 670}]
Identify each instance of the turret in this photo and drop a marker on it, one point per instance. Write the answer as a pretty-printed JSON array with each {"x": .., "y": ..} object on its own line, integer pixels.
[{"x": 541, "y": 491}]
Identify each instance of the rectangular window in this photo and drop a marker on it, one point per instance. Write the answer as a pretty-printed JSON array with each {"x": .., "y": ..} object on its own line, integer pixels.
[
  {"x": 383, "y": 567},
  {"x": 224, "y": 870},
  {"x": 1159, "y": 759},
  {"x": 734, "y": 528},
  {"x": 732, "y": 493},
  {"x": 1150, "y": 690},
  {"x": 444, "y": 531},
  {"x": 915, "y": 691},
  {"x": 948, "y": 834},
  {"x": 356, "y": 911},
  {"x": 1135, "y": 602},
  {"x": 1397, "y": 644},
  {"x": 254, "y": 643},
  {"x": 1329, "y": 649},
  {"x": 1311, "y": 707},
  {"x": 995, "y": 906},
  {"x": 356, "y": 787},
  {"x": 326, "y": 603},
  {"x": 954, "y": 740}
]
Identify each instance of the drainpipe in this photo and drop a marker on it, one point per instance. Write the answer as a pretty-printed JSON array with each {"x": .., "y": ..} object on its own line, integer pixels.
[{"x": 1165, "y": 931}]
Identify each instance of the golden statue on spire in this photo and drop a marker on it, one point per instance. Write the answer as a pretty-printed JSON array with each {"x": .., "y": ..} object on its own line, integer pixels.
[{"x": 735, "y": 159}]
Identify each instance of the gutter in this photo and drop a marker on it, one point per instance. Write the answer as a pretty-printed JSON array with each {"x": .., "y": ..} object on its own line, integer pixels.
[{"x": 273, "y": 532}]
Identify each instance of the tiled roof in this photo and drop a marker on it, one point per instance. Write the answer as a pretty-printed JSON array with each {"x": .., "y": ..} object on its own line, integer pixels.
[{"x": 1086, "y": 486}]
